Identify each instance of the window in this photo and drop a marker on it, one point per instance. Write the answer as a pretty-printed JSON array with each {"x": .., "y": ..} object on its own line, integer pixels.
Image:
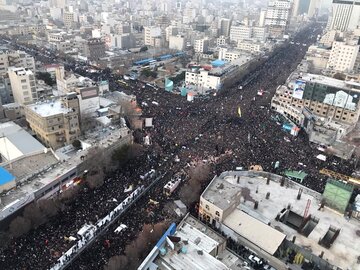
[
  {"x": 217, "y": 213},
  {"x": 207, "y": 207},
  {"x": 23, "y": 81}
]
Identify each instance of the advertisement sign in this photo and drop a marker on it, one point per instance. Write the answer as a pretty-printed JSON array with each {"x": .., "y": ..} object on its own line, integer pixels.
[{"x": 299, "y": 88}]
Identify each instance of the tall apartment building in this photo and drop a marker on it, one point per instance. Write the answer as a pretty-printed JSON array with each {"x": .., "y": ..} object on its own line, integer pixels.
[
  {"x": 151, "y": 34},
  {"x": 244, "y": 32},
  {"x": 225, "y": 25},
  {"x": 69, "y": 19},
  {"x": 56, "y": 123},
  {"x": 124, "y": 41},
  {"x": 23, "y": 85},
  {"x": 345, "y": 15},
  {"x": 277, "y": 17},
  {"x": 343, "y": 56},
  {"x": 201, "y": 45},
  {"x": 94, "y": 49},
  {"x": 15, "y": 59}
]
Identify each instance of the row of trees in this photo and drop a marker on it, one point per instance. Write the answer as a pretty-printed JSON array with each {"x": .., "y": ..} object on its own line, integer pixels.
[
  {"x": 137, "y": 250},
  {"x": 98, "y": 163}
]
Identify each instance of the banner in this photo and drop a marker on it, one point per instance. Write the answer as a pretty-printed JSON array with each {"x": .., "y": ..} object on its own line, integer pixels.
[{"x": 299, "y": 88}]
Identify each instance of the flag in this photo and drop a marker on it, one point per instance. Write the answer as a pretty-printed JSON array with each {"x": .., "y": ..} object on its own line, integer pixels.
[{"x": 239, "y": 112}]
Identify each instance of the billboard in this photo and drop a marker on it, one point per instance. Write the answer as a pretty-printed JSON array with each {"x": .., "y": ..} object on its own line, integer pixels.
[{"x": 299, "y": 88}]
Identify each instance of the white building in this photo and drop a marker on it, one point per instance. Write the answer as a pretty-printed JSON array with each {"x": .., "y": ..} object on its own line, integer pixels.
[
  {"x": 23, "y": 85},
  {"x": 150, "y": 34},
  {"x": 177, "y": 42},
  {"x": 277, "y": 16},
  {"x": 222, "y": 40},
  {"x": 201, "y": 45},
  {"x": 229, "y": 55},
  {"x": 201, "y": 78},
  {"x": 343, "y": 56},
  {"x": 250, "y": 46},
  {"x": 244, "y": 32},
  {"x": 345, "y": 15},
  {"x": 124, "y": 41}
]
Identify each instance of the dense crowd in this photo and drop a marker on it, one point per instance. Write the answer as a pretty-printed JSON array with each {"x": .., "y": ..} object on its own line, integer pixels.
[{"x": 199, "y": 130}]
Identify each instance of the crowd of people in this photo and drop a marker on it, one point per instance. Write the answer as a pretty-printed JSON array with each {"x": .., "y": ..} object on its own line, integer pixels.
[{"x": 199, "y": 130}]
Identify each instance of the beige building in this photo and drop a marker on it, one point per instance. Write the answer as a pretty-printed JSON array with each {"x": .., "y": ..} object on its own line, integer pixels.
[
  {"x": 15, "y": 59},
  {"x": 56, "y": 123},
  {"x": 150, "y": 34},
  {"x": 23, "y": 85},
  {"x": 327, "y": 98},
  {"x": 250, "y": 46},
  {"x": 69, "y": 19},
  {"x": 343, "y": 56},
  {"x": 201, "y": 45},
  {"x": 214, "y": 205}
]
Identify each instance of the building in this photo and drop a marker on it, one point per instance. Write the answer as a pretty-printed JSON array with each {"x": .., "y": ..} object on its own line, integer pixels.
[
  {"x": 123, "y": 41},
  {"x": 23, "y": 85},
  {"x": 151, "y": 34},
  {"x": 270, "y": 218},
  {"x": 343, "y": 56},
  {"x": 225, "y": 25},
  {"x": 16, "y": 143},
  {"x": 94, "y": 49},
  {"x": 15, "y": 59},
  {"x": 222, "y": 41},
  {"x": 327, "y": 98},
  {"x": 177, "y": 42},
  {"x": 345, "y": 15},
  {"x": 202, "y": 79},
  {"x": 277, "y": 17},
  {"x": 56, "y": 123},
  {"x": 191, "y": 245},
  {"x": 201, "y": 45},
  {"x": 69, "y": 19},
  {"x": 245, "y": 32},
  {"x": 249, "y": 46}
]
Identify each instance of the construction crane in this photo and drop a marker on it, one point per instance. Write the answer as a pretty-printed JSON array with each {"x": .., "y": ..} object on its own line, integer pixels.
[{"x": 341, "y": 177}]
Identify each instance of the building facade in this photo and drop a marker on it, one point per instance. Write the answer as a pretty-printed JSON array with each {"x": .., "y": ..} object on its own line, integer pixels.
[
  {"x": 343, "y": 56},
  {"x": 23, "y": 85},
  {"x": 345, "y": 15},
  {"x": 94, "y": 49},
  {"x": 56, "y": 123}
]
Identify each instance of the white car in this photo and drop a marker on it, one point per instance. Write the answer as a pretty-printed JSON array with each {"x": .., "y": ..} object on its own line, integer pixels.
[
  {"x": 256, "y": 260},
  {"x": 120, "y": 228}
]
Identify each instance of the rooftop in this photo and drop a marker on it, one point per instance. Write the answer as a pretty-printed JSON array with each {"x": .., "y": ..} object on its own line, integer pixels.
[
  {"x": 220, "y": 193},
  {"x": 340, "y": 253},
  {"x": 346, "y": 85},
  {"x": 49, "y": 108},
  {"x": 15, "y": 142}
]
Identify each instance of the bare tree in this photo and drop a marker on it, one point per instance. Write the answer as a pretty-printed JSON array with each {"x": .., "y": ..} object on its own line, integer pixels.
[
  {"x": 50, "y": 207},
  {"x": 33, "y": 213},
  {"x": 19, "y": 226},
  {"x": 4, "y": 239},
  {"x": 95, "y": 180},
  {"x": 117, "y": 263}
]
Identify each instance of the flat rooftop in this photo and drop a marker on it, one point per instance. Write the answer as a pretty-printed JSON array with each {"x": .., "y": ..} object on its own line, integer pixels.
[
  {"x": 46, "y": 109},
  {"x": 341, "y": 253},
  {"x": 32, "y": 165},
  {"x": 346, "y": 85},
  {"x": 220, "y": 193}
]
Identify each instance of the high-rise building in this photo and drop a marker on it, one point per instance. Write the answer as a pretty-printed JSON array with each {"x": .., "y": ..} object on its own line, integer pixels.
[
  {"x": 225, "y": 25},
  {"x": 23, "y": 85},
  {"x": 69, "y": 19},
  {"x": 345, "y": 15},
  {"x": 277, "y": 17},
  {"x": 94, "y": 49},
  {"x": 343, "y": 56},
  {"x": 243, "y": 32}
]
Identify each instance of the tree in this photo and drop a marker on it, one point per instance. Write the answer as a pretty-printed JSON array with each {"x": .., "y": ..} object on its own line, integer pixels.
[
  {"x": 95, "y": 180},
  {"x": 19, "y": 226},
  {"x": 77, "y": 144},
  {"x": 4, "y": 239},
  {"x": 33, "y": 213},
  {"x": 339, "y": 76},
  {"x": 117, "y": 263},
  {"x": 46, "y": 77}
]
